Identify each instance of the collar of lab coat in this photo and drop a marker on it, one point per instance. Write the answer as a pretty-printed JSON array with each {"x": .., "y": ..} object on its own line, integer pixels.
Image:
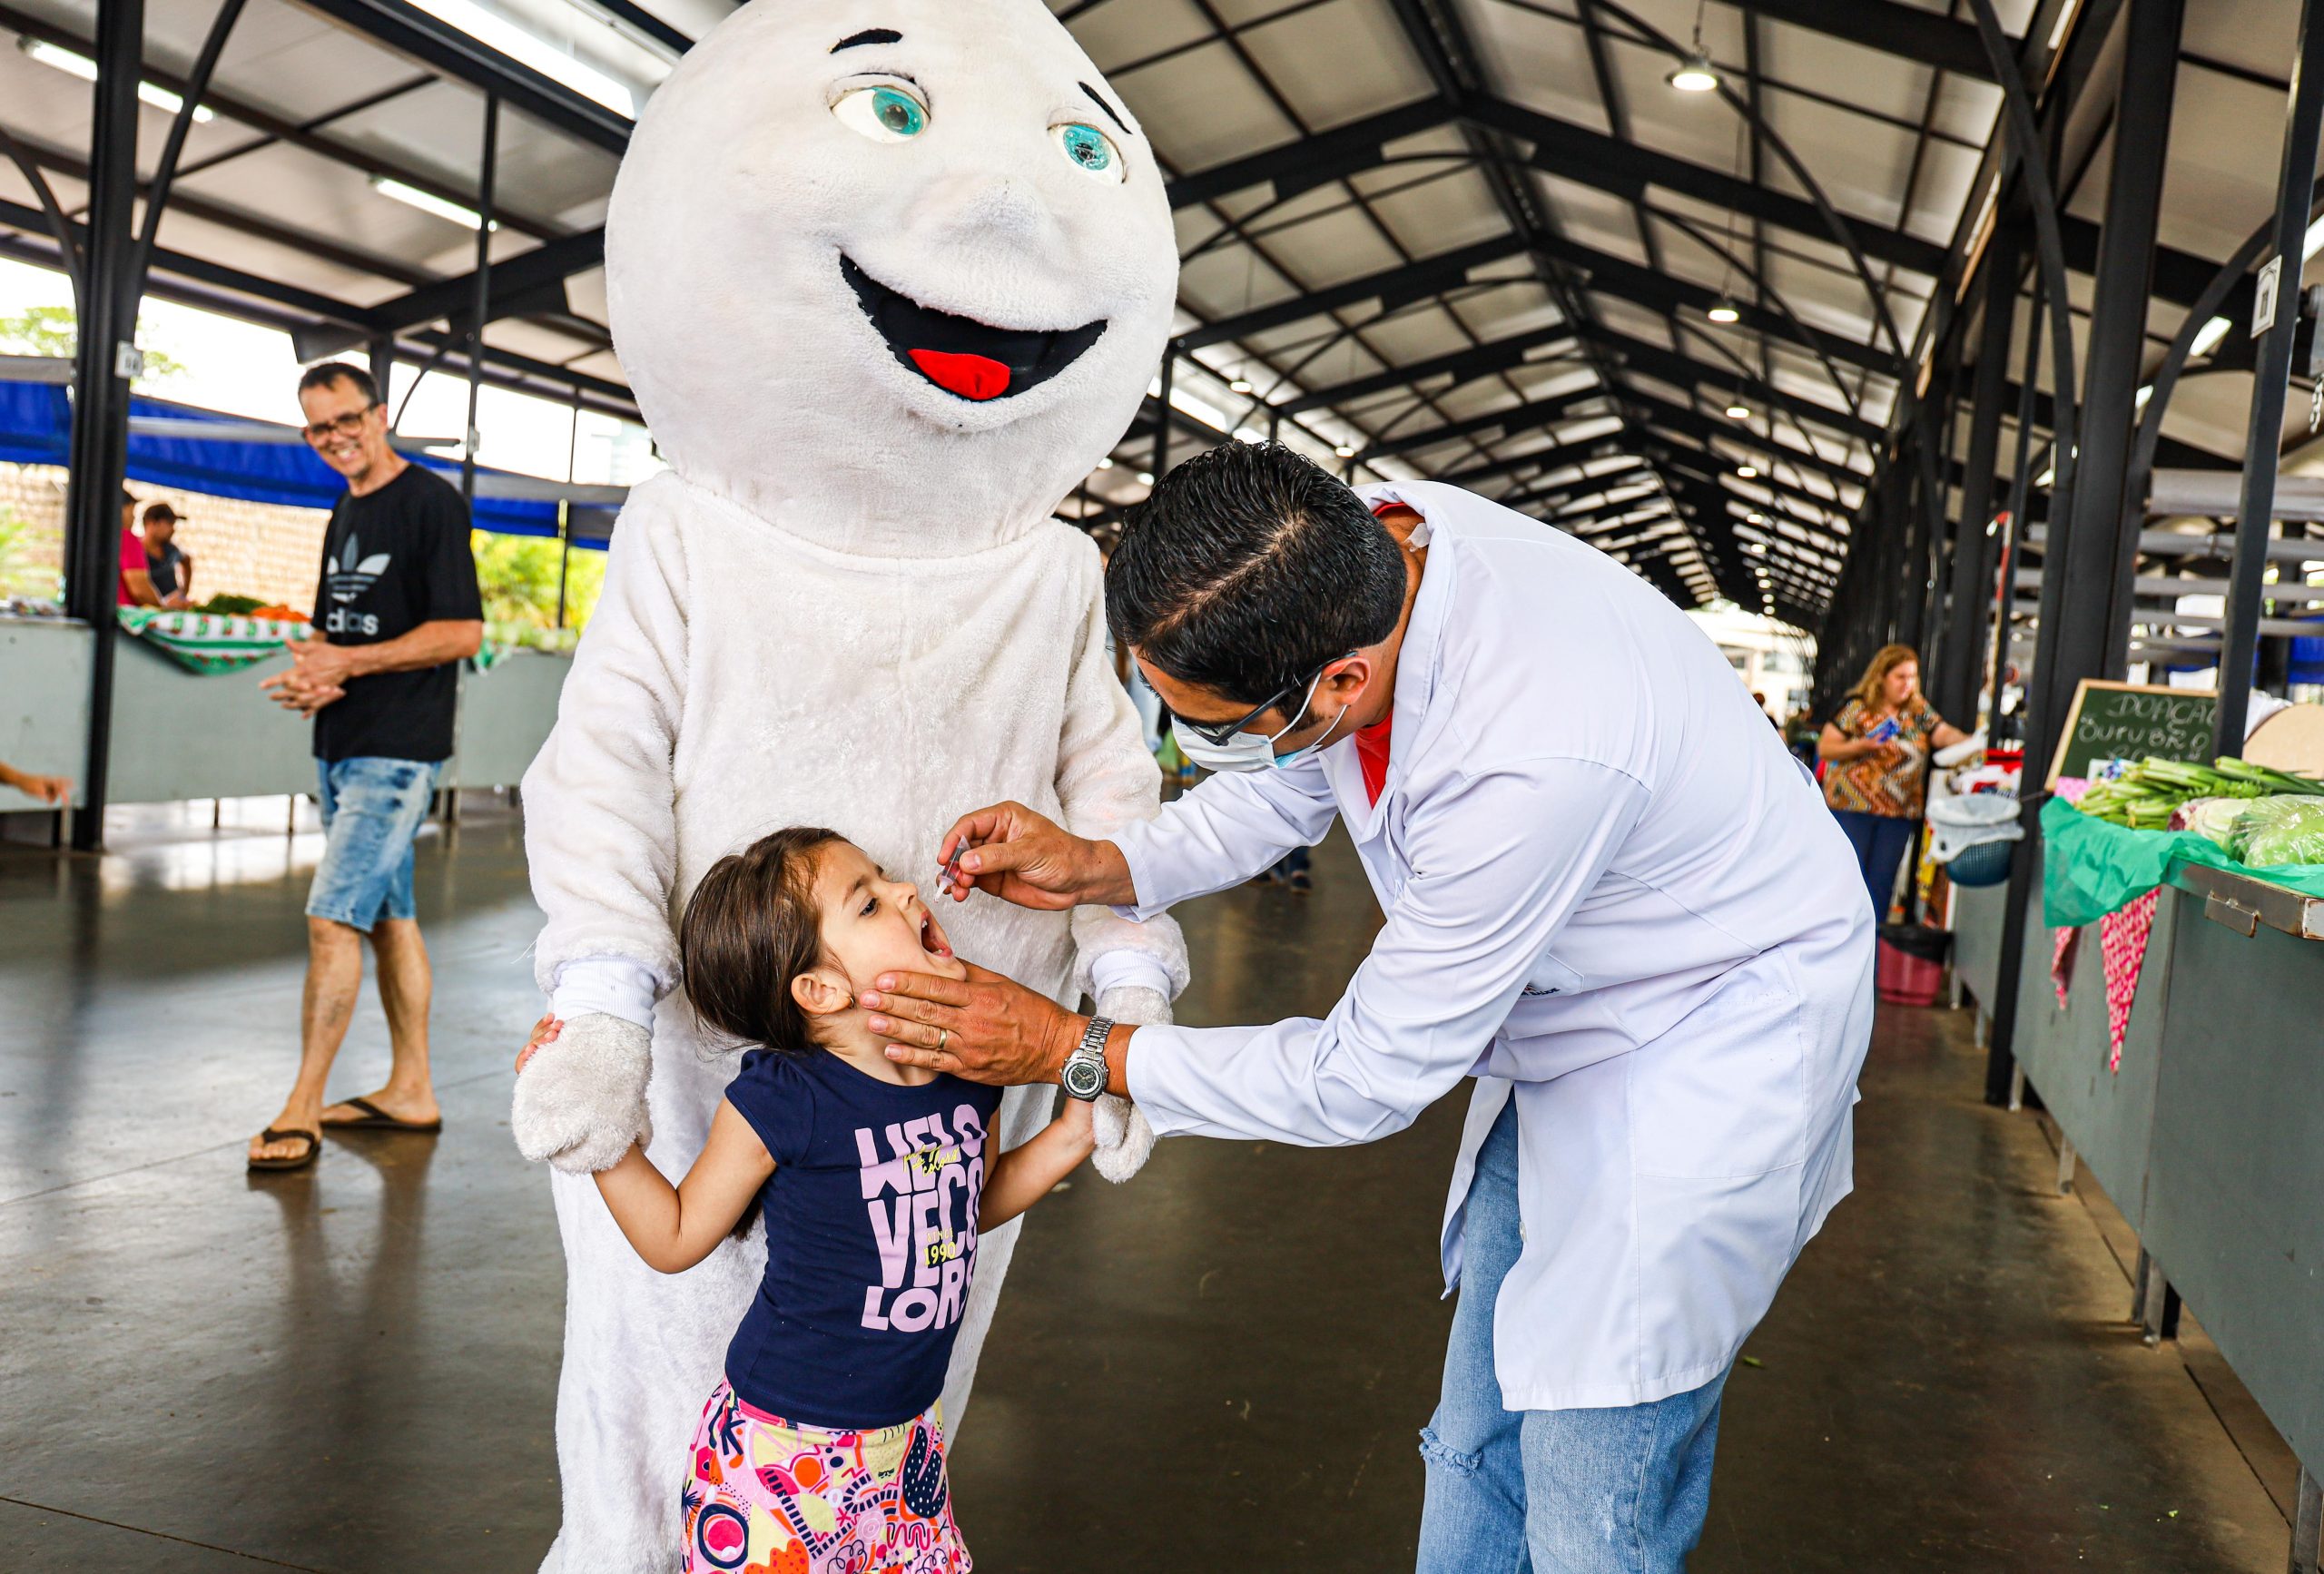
[{"x": 1416, "y": 660}]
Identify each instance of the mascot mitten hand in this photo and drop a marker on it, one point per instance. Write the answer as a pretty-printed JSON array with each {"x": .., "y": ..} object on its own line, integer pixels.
[
  {"x": 1125, "y": 1140},
  {"x": 581, "y": 1097}
]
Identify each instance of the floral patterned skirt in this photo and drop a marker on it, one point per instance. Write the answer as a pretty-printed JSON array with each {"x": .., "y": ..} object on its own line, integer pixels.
[{"x": 765, "y": 1497}]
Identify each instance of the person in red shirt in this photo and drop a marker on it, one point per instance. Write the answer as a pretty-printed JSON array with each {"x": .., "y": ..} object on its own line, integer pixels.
[{"x": 136, "y": 587}]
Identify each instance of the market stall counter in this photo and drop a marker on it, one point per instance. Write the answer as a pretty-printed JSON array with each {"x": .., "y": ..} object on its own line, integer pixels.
[
  {"x": 44, "y": 702},
  {"x": 2065, "y": 1044},
  {"x": 190, "y": 721},
  {"x": 2182, "y": 1063},
  {"x": 2235, "y": 1169}
]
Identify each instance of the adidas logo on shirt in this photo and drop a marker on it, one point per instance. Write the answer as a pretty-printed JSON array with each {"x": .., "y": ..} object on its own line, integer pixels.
[{"x": 352, "y": 575}]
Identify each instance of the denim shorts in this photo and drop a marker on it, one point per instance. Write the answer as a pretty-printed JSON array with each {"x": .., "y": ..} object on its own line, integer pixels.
[{"x": 372, "y": 808}]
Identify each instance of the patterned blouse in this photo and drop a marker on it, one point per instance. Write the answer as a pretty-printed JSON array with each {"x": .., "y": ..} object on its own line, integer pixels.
[{"x": 1869, "y": 785}]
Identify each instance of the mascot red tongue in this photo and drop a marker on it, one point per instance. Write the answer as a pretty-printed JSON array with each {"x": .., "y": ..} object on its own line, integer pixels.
[{"x": 972, "y": 377}]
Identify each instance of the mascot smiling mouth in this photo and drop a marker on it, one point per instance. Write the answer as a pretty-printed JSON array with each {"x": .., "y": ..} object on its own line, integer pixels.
[{"x": 961, "y": 355}]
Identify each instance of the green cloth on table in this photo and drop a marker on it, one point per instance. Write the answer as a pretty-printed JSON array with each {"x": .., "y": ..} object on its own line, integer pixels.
[
  {"x": 2092, "y": 867},
  {"x": 210, "y": 642}
]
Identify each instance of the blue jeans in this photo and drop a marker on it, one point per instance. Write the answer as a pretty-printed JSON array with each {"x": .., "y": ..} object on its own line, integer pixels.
[
  {"x": 1880, "y": 842},
  {"x": 1615, "y": 1490},
  {"x": 372, "y": 808}
]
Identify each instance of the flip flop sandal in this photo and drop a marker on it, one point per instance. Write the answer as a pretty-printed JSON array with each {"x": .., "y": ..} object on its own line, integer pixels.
[
  {"x": 297, "y": 1161},
  {"x": 377, "y": 1119}
]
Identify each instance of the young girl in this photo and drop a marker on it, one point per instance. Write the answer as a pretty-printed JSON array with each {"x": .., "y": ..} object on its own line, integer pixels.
[{"x": 823, "y": 1450}]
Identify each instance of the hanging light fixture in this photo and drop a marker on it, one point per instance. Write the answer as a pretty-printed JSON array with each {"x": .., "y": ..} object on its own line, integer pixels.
[
  {"x": 1695, "y": 75},
  {"x": 1736, "y": 410},
  {"x": 1344, "y": 452},
  {"x": 1748, "y": 472},
  {"x": 1724, "y": 311},
  {"x": 1241, "y": 384}
]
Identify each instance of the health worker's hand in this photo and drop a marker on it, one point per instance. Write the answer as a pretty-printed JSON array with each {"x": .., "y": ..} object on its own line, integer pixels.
[
  {"x": 985, "y": 1028},
  {"x": 1028, "y": 859}
]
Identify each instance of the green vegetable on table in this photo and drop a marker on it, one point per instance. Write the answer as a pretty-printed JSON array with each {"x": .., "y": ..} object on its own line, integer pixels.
[
  {"x": 2277, "y": 830},
  {"x": 2145, "y": 796}
]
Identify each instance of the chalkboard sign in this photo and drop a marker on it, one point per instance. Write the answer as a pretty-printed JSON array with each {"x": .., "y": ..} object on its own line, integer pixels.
[{"x": 2132, "y": 721}]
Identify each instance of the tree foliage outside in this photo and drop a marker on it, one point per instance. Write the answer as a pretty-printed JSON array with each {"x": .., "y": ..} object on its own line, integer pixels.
[
  {"x": 27, "y": 568},
  {"x": 52, "y": 330},
  {"x": 517, "y": 576}
]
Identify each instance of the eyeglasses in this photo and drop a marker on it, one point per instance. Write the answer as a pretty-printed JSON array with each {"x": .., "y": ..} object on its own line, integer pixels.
[
  {"x": 345, "y": 425},
  {"x": 1221, "y": 734}
]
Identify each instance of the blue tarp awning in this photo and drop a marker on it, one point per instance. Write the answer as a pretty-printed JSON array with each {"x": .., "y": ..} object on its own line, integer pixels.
[{"x": 36, "y": 426}]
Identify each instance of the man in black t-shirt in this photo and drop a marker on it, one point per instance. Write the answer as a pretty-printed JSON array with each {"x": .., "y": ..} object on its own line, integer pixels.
[{"x": 396, "y": 612}]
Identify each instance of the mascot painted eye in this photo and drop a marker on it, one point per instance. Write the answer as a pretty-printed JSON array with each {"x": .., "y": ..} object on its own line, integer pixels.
[
  {"x": 885, "y": 114},
  {"x": 1091, "y": 151}
]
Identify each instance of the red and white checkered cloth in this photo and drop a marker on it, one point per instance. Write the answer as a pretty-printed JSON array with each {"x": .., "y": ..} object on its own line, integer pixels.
[
  {"x": 2062, "y": 948},
  {"x": 2121, "y": 940}
]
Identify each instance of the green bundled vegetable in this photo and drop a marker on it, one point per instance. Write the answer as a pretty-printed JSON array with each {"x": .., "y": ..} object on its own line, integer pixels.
[
  {"x": 2273, "y": 831},
  {"x": 2145, "y": 796}
]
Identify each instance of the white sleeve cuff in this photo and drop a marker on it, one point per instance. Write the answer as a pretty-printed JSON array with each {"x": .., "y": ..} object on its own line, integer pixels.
[
  {"x": 1129, "y": 969},
  {"x": 1134, "y": 843},
  {"x": 614, "y": 986}
]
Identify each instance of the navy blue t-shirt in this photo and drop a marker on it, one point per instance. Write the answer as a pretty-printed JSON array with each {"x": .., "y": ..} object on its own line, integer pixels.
[{"x": 870, "y": 1237}]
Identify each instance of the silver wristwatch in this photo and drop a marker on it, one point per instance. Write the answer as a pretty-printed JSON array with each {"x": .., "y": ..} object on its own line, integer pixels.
[{"x": 1083, "y": 1076}]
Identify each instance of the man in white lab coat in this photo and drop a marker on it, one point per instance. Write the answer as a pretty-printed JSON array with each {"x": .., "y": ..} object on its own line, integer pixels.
[{"x": 1613, "y": 902}]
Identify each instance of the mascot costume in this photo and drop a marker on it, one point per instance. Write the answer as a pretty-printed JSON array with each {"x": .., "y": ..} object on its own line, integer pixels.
[{"x": 889, "y": 280}]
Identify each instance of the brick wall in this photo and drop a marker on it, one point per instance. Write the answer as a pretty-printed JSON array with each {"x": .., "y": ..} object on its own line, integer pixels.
[{"x": 259, "y": 549}]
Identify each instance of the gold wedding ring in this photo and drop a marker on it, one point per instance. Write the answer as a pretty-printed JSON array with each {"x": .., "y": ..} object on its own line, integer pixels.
[{"x": 943, "y": 1037}]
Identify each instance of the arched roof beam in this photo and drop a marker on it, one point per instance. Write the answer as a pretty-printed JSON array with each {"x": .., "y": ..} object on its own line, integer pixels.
[
  {"x": 1479, "y": 360},
  {"x": 1412, "y": 280}
]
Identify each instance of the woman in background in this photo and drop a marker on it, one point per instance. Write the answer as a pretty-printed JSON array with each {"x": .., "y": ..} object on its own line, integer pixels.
[{"x": 1876, "y": 754}]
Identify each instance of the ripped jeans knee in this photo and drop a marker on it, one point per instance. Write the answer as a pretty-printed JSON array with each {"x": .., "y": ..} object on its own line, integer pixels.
[{"x": 1436, "y": 1452}]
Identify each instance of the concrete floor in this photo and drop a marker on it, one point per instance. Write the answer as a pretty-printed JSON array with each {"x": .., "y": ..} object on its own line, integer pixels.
[{"x": 1222, "y": 1366}]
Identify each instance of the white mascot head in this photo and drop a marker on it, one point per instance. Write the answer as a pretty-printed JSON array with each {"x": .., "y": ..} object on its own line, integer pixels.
[{"x": 891, "y": 274}]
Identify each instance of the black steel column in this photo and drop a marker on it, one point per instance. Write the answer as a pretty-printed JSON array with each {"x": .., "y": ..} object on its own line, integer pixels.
[
  {"x": 482, "y": 307},
  {"x": 1933, "y": 472},
  {"x": 104, "y": 358},
  {"x": 1897, "y": 529},
  {"x": 2239, "y": 640},
  {"x": 382, "y": 356},
  {"x": 2096, "y": 542},
  {"x": 2018, "y": 902},
  {"x": 1961, "y": 662},
  {"x": 1912, "y": 573}
]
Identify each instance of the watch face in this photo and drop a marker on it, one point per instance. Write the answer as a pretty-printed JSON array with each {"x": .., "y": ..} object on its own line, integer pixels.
[{"x": 1084, "y": 1080}]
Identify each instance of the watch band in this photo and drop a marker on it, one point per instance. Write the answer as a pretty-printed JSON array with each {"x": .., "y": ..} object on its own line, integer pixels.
[{"x": 1084, "y": 1073}]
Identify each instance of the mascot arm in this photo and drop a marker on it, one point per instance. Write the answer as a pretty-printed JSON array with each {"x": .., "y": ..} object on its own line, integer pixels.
[
  {"x": 1107, "y": 780},
  {"x": 601, "y": 842}
]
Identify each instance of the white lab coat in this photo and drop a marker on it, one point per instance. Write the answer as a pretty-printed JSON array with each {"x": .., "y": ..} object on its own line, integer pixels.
[{"x": 1609, "y": 889}]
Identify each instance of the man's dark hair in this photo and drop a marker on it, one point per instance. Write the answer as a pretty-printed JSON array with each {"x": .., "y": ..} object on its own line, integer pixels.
[
  {"x": 1248, "y": 569},
  {"x": 324, "y": 373}
]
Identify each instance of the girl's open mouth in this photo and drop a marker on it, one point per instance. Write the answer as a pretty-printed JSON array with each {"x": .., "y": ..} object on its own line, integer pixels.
[{"x": 932, "y": 939}]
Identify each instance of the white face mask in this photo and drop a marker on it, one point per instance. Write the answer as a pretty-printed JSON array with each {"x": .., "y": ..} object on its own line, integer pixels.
[{"x": 1252, "y": 750}]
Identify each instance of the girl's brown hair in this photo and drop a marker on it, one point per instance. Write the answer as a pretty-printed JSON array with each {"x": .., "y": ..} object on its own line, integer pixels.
[
  {"x": 750, "y": 927},
  {"x": 1885, "y": 660}
]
